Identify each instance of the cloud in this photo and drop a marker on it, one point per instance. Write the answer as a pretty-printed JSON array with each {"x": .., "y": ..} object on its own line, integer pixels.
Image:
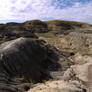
[{"x": 46, "y": 9}]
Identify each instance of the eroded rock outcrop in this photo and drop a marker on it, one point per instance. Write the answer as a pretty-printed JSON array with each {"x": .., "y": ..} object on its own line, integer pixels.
[
  {"x": 19, "y": 59},
  {"x": 26, "y": 60}
]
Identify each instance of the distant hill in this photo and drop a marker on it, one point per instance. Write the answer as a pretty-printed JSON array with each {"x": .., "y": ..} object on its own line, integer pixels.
[
  {"x": 45, "y": 26},
  {"x": 53, "y": 27}
]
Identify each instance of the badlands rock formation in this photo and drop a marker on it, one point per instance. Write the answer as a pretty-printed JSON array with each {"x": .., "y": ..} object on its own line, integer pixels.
[{"x": 45, "y": 56}]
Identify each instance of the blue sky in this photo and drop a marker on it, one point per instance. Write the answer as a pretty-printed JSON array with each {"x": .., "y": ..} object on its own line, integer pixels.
[{"x": 22, "y": 10}]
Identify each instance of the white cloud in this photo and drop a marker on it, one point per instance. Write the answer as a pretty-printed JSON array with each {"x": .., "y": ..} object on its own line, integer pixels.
[{"x": 39, "y": 9}]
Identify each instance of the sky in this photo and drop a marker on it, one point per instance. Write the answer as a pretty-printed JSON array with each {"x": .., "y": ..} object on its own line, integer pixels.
[{"x": 23, "y": 10}]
